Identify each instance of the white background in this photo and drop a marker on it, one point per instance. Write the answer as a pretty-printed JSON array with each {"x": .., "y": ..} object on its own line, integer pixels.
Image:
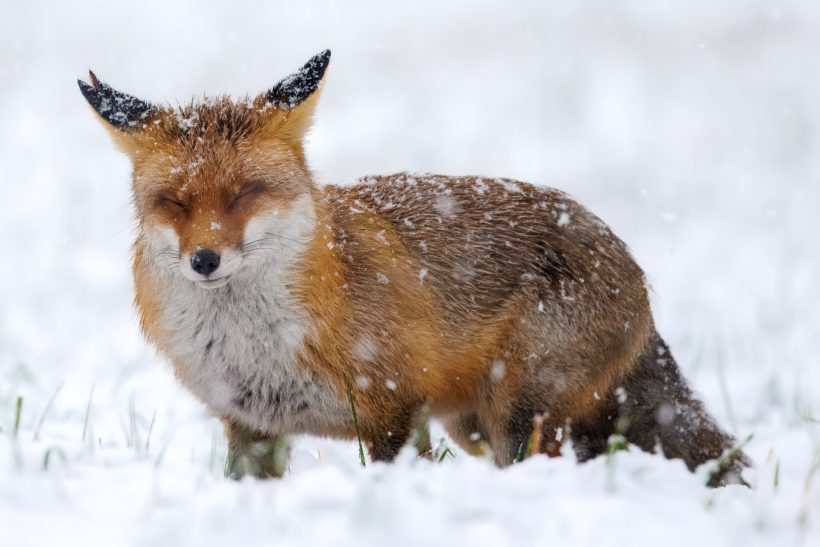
[{"x": 693, "y": 128}]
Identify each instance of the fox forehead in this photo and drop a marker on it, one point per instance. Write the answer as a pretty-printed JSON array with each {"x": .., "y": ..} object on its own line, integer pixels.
[
  {"x": 215, "y": 118},
  {"x": 215, "y": 168},
  {"x": 216, "y": 143}
]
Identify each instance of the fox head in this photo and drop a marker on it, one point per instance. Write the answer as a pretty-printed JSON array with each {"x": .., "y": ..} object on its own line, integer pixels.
[{"x": 218, "y": 184}]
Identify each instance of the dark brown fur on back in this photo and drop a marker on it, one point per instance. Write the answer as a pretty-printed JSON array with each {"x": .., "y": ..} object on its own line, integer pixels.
[{"x": 580, "y": 351}]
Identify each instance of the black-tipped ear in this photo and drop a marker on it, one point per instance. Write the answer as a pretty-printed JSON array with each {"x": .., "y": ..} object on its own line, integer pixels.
[
  {"x": 120, "y": 110},
  {"x": 300, "y": 85}
]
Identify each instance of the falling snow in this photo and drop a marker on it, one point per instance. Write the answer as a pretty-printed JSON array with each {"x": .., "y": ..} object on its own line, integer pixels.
[
  {"x": 444, "y": 205},
  {"x": 366, "y": 348},
  {"x": 564, "y": 219},
  {"x": 511, "y": 186},
  {"x": 689, "y": 128},
  {"x": 497, "y": 371},
  {"x": 380, "y": 237}
]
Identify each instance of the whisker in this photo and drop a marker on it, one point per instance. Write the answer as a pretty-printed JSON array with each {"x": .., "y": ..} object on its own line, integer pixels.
[
  {"x": 167, "y": 257},
  {"x": 269, "y": 243},
  {"x": 246, "y": 252},
  {"x": 283, "y": 237}
]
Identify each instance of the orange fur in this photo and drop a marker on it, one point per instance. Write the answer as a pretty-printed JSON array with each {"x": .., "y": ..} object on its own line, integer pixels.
[{"x": 485, "y": 302}]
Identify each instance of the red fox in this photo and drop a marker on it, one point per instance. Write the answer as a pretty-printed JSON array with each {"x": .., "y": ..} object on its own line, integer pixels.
[{"x": 492, "y": 305}]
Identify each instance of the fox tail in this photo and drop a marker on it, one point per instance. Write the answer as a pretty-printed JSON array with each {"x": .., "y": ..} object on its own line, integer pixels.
[{"x": 653, "y": 407}]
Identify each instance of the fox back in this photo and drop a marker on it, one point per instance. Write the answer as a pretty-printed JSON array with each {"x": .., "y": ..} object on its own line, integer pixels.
[{"x": 507, "y": 311}]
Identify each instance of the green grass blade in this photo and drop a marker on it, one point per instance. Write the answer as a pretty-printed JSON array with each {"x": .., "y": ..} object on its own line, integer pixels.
[
  {"x": 17, "y": 413},
  {"x": 356, "y": 423},
  {"x": 150, "y": 430},
  {"x": 45, "y": 412},
  {"x": 87, "y": 413}
]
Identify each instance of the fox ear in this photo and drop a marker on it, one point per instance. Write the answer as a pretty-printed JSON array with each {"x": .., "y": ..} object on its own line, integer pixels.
[
  {"x": 295, "y": 97},
  {"x": 296, "y": 88},
  {"x": 122, "y": 111}
]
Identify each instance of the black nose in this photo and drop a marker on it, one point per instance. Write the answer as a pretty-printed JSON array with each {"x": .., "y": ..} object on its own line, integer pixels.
[{"x": 204, "y": 261}]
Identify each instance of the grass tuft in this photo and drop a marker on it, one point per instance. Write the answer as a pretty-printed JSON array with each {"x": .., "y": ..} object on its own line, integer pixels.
[
  {"x": 133, "y": 427},
  {"x": 616, "y": 442},
  {"x": 727, "y": 461},
  {"x": 45, "y": 412},
  {"x": 18, "y": 411},
  {"x": 150, "y": 430},
  {"x": 724, "y": 390},
  {"x": 87, "y": 413},
  {"x": 444, "y": 453},
  {"x": 53, "y": 450},
  {"x": 806, "y": 505}
]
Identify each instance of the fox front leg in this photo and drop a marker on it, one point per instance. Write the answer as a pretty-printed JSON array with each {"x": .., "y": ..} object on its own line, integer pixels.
[
  {"x": 404, "y": 426},
  {"x": 254, "y": 453}
]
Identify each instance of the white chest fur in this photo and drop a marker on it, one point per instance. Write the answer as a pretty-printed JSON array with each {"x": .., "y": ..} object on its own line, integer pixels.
[{"x": 236, "y": 346}]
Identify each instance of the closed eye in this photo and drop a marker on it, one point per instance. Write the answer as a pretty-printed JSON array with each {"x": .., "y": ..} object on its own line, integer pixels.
[
  {"x": 247, "y": 194},
  {"x": 172, "y": 203}
]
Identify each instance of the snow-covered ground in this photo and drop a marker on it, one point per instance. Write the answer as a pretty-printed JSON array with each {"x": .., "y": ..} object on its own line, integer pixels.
[{"x": 693, "y": 128}]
